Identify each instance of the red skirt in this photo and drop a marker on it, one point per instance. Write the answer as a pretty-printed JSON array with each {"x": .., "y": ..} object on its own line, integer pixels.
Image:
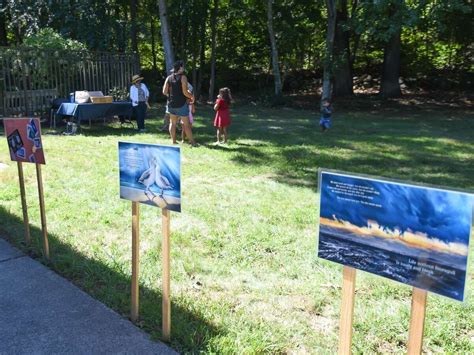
[{"x": 222, "y": 118}]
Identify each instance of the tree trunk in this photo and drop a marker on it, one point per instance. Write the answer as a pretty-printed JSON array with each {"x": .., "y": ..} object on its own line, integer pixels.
[
  {"x": 275, "y": 64},
  {"x": 213, "y": 50},
  {"x": 133, "y": 28},
  {"x": 166, "y": 37},
  {"x": 355, "y": 47},
  {"x": 153, "y": 43},
  {"x": 391, "y": 67},
  {"x": 194, "y": 44},
  {"x": 342, "y": 58},
  {"x": 331, "y": 8},
  {"x": 202, "y": 59},
  {"x": 18, "y": 34},
  {"x": 119, "y": 30},
  {"x": 3, "y": 27},
  {"x": 391, "y": 60},
  {"x": 194, "y": 71}
]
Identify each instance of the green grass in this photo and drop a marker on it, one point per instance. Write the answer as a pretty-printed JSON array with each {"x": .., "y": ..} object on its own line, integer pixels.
[{"x": 245, "y": 276}]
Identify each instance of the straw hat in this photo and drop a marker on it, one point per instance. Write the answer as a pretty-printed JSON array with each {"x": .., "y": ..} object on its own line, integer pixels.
[{"x": 135, "y": 78}]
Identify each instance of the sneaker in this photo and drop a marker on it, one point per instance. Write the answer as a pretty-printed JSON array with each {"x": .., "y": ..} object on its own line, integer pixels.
[{"x": 143, "y": 130}]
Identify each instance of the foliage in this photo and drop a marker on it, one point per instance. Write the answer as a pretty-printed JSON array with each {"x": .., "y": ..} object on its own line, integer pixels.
[
  {"x": 47, "y": 38},
  {"x": 26, "y": 16},
  {"x": 119, "y": 94},
  {"x": 436, "y": 34}
]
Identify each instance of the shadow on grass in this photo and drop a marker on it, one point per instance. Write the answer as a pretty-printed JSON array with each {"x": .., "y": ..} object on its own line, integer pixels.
[
  {"x": 431, "y": 146},
  {"x": 189, "y": 332},
  {"x": 434, "y": 149}
]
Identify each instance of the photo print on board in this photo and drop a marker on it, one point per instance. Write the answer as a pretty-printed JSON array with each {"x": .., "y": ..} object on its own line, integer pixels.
[
  {"x": 150, "y": 174},
  {"x": 412, "y": 234}
]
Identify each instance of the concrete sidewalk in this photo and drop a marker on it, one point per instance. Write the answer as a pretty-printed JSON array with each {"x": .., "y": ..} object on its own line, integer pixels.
[{"x": 42, "y": 313}]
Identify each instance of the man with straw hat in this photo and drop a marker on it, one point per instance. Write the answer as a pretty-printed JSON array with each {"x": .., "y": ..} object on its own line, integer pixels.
[{"x": 139, "y": 95}]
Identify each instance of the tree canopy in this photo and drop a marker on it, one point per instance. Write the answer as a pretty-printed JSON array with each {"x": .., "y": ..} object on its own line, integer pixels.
[{"x": 381, "y": 39}]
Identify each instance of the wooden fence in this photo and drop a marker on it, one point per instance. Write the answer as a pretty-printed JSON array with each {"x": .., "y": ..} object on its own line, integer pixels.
[{"x": 30, "y": 78}]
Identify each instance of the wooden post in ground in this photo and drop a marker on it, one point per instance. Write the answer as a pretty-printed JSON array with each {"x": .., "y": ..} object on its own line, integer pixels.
[
  {"x": 135, "y": 259},
  {"x": 42, "y": 211},
  {"x": 166, "y": 273},
  {"x": 347, "y": 310},
  {"x": 23, "y": 203},
  {"x": 417, "y": 321}
]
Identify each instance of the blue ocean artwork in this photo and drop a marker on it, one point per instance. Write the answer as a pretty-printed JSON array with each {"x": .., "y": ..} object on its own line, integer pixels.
[
  {"x": 413, "y": 234},
  {"x": 150, "y": 174}
]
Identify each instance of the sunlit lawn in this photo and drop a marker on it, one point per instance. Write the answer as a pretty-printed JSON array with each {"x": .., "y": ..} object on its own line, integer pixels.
[{"x": 245, "y": 276}]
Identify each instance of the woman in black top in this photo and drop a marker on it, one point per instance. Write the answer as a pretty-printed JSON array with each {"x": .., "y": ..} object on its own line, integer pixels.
[{"x": 176, "y": 89}]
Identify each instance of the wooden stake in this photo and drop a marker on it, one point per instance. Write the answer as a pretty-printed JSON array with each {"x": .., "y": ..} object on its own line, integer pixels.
[
  {"x": 42, "y": 211},
  {"x": 23, "y": 203},
  {"x": 417, "y": 321},
  {"x": 135, "y": 259},
  {"x": 166, "y": 273},
  {"x": 347, "y": 310}
]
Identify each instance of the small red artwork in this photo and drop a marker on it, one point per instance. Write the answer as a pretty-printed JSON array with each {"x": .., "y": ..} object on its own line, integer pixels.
[{"x": 24, "y": 140}]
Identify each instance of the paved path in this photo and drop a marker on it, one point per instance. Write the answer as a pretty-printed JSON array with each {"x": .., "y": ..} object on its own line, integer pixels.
[{"x": 42, "y": 313}]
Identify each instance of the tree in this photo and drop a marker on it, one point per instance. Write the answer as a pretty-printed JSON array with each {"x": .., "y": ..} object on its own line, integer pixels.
[
  {"x": 331, "y": 10},
  {"x": 26, "y": 17},
  {"x": 275, "y": 64},
  {"x": 133, "y": 27},
  {"x": 118, "y": 29},
  {"x": 202, "y": 56},
  {"x": 153, "y": 42},
  {"x": 342, "y": 54},
  {"x": 213, "y": 49},
  {"x": 47, "y": 38},
  {"x": 3, "y": 25},
  {"x": 166, "y": 36},
  {"x": 389, "y": 37},
  {"x": 391, "y": 61}
]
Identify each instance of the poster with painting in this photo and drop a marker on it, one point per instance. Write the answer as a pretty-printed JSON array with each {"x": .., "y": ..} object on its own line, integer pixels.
[
  {"x": 24, "y": 139},
  {"x": 413, "y": 234},
  {"x": 150, "y": 174}
]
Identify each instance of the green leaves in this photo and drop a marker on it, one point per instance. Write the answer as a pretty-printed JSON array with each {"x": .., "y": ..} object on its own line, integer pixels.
[{"x": 47, "y": 38}]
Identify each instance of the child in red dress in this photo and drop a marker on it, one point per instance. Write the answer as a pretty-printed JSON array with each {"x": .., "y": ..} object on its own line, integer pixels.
[{"x": 222, "y": 119}]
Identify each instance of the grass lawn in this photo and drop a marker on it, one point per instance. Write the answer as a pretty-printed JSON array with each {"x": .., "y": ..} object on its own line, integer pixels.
[{"x": 245, "y": 276}]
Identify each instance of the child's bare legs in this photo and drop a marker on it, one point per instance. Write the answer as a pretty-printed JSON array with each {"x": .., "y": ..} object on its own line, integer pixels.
[
  {"x": 187, "y": 129},
  {"x": 225, "y": 134},
  {"x": 218, "y": 135},
  {"x": 182, "y": 132}
]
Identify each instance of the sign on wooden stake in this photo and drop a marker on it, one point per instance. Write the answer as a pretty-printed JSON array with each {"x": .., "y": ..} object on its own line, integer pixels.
[
  {"x": 151, "y": 174},
  {"x": 411, "y": 233},
  {"x": 25, "y": 146}
]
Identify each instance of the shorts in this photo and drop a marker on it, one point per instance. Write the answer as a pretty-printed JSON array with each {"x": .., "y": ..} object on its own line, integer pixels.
[
  {"x": 182, "y": 111},
  {"x": 325, "y": 123}
]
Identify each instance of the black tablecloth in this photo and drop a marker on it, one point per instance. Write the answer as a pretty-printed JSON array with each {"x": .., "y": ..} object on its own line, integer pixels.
[{"x": 91, "y": 112}]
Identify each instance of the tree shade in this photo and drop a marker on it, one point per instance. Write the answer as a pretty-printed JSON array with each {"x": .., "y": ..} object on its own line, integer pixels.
[{"x": 384, "y": 39}]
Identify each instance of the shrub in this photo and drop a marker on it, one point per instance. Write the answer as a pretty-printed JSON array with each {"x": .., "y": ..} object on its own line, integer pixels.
[{"x": 47, "y": 38}]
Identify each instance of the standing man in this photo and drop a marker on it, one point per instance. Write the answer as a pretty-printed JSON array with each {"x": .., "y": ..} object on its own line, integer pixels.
[{"x": 139, "y": 95}]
